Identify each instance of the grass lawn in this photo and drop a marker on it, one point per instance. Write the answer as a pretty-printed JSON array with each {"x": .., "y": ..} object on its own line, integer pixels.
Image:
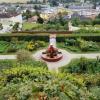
[
  {"x": 90, "y": 27},
  {"x": 28, "y": 26}
]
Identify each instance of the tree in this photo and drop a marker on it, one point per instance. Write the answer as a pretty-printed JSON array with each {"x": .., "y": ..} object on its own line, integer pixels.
[
  {"x": 16, "y": 26},
  {"x": 40, "y": 20},
  {"x": 85, "y": 22},
  {"x": 27, "y": 14},
  {"x": 37, "y": 7},
  {"x": 96, "y": 22},
  {"x": 61, "y": 20},
  {"x": 75, "y": 22},
  {"x": 54, "y": 3},
  {"x": 98, "y": 16},
  {"x": 1, "y": 27},
  {"x": 94, "y": 3}
]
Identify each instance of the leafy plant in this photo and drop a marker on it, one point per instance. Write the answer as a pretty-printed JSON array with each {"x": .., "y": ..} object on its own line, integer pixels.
[{"x": 23, "y": 55}]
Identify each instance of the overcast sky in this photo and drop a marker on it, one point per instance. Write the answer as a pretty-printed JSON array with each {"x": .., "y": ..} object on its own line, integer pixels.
[{"x": 13, "y": 1}]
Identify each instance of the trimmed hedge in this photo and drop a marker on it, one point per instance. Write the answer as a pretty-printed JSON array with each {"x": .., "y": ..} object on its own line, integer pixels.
[
  {"x": 88, "y": 38},
  {"x": 25, "y": 38},
  {"x": 45, "y": 37}
]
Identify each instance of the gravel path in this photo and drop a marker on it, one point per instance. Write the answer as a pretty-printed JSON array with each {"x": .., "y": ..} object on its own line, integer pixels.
[{"x": 67, "y": 57}]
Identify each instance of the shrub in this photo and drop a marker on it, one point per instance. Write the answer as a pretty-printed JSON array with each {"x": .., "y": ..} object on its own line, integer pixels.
[
  {"x": 3, "y": 46},
  {"x": 70, "y": 42},
  {"x": 27, "y": 83},
  {"x": 23, "y": 55},
  {"x": 6, "y": 64},
  {"x": 12, "y": 48},
  {"x": 87, "y": 45},
  {"x": 78, "y": 45},
  {"x": 40, "y": 44},
  {"x": 31, "y": 46},
  {"x": 82, "y": 65}
]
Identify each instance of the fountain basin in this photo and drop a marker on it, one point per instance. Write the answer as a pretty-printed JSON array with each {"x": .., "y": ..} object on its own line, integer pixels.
[{"x": 54, "y": 59}]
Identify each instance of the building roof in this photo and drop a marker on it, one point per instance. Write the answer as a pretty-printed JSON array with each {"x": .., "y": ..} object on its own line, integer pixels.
[{"x": 8, "y": 15}]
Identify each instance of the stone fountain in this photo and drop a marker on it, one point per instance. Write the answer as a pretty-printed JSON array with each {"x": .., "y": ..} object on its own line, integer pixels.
[{"x": 52, "y": 54}]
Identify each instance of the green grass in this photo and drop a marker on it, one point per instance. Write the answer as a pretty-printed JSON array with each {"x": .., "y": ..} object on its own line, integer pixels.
[
  {"x": 98, "y": 26},
  {"x": 3, "y": 46},
  {"x": 29, "y": 26}
]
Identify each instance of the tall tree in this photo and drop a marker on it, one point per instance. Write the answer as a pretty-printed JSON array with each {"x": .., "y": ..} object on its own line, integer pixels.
[
  {"x": 1, "y": 26},
  {"x": 15, "y": 27}
]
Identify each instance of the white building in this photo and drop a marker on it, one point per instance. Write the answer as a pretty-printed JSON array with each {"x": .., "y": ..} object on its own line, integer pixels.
[{"x": 8, "y": 20}]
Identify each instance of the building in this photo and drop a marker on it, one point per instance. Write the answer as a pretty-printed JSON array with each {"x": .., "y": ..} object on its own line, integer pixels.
[
  {"x": 33, "y": 19},
  {"x": 9, "y": 19}
]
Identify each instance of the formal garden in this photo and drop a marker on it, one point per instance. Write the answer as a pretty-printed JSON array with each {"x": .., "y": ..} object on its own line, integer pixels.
[
  {"x": 14, "y": 45},
  {"x": 50, "y": 55},
  {"x": 88, "y": 70},
  {"x": 25, "y": 78},
  {"x": 80, "y": 45}
]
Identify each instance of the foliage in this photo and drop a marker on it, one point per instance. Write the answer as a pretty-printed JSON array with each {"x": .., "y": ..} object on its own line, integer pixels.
[
  {"x": 3, "y": 46},
  {"x": 98, "y": 17},
  {"x": 87, "y": 45},
  {"x": 27, "y": 14},
  {"x": 31, "y": 46},
  {"x": 54, "y": 3},
  {"x": 40, "y": 20},
  {"x": 96, "y": 22},
  {"x": 81, "y": 45},
  {"x": 23, "y": 55},
  {"x": 82, "y": 65},
  {"x": 14, "y": 45},
  {"x": 15, "y": 27},
  {"x": 90, "y": 30},
  {"x": 34, "y": 45},
  {"x": 23, "y": 83},
  {"x": 1, "y": 26},
  {"x": 7, "y": 64},
  {"x": 54, "y": 24},
  {"x": 75, "y": 22}
]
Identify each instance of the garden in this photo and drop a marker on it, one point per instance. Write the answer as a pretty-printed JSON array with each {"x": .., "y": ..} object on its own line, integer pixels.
[
  {"x": 79, "y": 45},
  {"x": 14, "y": 45},
  {"x": 28, "y": 79},
  {"x": 44, "y": 27},
  {"x": 88, "y": 70}
]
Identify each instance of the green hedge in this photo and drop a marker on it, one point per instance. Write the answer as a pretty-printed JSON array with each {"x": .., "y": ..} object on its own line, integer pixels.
[
  {"x": 88, "y": 38},
  {"x": 45, "y": 37},
  {"x": 25, "y": 37}
]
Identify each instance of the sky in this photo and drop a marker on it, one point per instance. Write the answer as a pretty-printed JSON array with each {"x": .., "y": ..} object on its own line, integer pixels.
[{"x": 13, "y": 1}]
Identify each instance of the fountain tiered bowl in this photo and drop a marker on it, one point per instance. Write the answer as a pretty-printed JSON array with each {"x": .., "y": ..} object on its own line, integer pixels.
[{"x": 52, "y": 54}]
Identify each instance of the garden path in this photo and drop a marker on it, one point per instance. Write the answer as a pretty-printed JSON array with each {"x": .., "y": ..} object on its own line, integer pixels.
[{"x": 67, "y": 57}]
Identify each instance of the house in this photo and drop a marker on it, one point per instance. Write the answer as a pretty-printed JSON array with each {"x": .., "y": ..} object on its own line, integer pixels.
[
  {"x": 9, "y": 19},
  {"x": 33, "y": 19},
  {"x": 78, "y": 7}
]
